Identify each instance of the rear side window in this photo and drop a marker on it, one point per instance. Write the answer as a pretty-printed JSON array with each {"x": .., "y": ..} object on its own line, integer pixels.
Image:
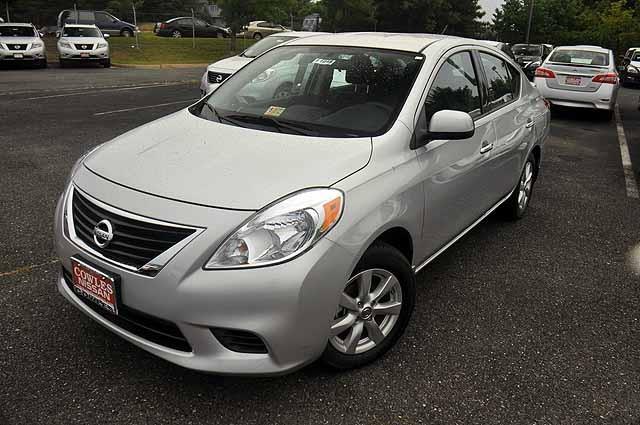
[
  {"x": 103, "y": 18},
  {"x": 86, "y": 17},
  {"x": 580, "y": 57},
  {"x": 503, "y": 82},
  {"x": 455, "y": 87}
]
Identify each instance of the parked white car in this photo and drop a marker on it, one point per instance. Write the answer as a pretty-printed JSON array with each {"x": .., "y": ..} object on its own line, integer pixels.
[
  {"x": 21, "y": 43},
  {"x": 83, "y": 43},
  {"x": 579, "y": 77},
  {"x": 219, "y": 71}
]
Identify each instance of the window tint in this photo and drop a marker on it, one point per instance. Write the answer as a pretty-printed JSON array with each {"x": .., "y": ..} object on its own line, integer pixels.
[
  {"x": 455, "y": 87},
  {"x": 503, "y": 81},
  {"x": 103, "y": 18},
  {"x": 200, "y": 23}
]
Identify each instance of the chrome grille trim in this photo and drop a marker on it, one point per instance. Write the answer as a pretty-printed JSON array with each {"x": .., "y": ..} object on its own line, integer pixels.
[{"x": 153, "y": 266}]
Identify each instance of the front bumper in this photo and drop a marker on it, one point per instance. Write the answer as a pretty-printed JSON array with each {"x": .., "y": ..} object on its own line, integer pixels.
[
  {"x": 23, "y": 55},
  {"x": 288, "y": 306},
  {"x": 83, "y": 55},
  {"x": 604, "y": 98}
]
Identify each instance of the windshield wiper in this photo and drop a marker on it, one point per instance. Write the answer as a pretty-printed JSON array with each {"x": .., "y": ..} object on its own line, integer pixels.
[
  {"x": 277, "y": 124},
  {"x": 220, "y": 118}
]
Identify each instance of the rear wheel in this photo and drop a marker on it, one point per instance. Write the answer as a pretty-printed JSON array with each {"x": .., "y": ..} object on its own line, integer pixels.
[
  {"x": 176, "y": 34},
  {"x": 374, "y": 308},
  {"x": 516, "y": 206},
  {"x": 126, "y": 33},
  {"x": 257, "y": 36}
]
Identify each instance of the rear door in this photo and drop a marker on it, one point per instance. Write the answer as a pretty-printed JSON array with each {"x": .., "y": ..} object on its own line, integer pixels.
[
  {"x": 575, "y": 69},
  {"x": 454, "y": 174},
  {"x": 513, "y": 118}
]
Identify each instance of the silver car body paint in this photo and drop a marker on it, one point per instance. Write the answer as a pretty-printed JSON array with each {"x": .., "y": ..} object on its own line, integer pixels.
[{"x": 192, "y": 172}]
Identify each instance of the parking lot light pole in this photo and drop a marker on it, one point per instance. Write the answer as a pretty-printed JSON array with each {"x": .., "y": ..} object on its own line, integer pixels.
[
  {"x": 7, "y": 5},
  {"x": 193, "y": 27},
  {"x": 529, "y": 23},
  {"x": 135, "y": 24}
]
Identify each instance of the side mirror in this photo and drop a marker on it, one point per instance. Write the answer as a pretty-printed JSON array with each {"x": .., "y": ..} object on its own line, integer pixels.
[
  {"x": 41, "y": 34},
  {"x": 106, "y": 36},
  {"x": 444, "y": 125},
  {"x": 58, "y": 34}
]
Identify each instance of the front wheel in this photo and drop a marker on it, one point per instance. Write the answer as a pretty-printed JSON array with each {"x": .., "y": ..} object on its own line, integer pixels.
[
  {"x": 126, "y": 33},
  {"x": 374, "y": 308},
  {"x": 107, "y": 63}
]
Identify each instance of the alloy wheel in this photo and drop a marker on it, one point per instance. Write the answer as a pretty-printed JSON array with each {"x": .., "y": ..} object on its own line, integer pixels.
[
  {"x": 368, "y": 310},
  {"x": 176, "y": 34},
  {"x": 526, "y": 183}
]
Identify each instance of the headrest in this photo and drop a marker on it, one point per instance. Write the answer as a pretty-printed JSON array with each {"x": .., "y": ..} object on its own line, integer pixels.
[{"x": 360, "y": 70}]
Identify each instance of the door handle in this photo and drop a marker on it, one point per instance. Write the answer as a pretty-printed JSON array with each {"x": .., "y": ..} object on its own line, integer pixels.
[
  {"x": 529, "y": 124},
  {"x": 486, "y": 147}
]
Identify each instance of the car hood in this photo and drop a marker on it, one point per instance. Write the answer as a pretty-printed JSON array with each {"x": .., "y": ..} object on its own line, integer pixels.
[
  {"x": 231, "y": 64},
  {"x": 83, "y": 40},
  {"x": 18, "y": 40},
  {"x": 190, "y": 159}
]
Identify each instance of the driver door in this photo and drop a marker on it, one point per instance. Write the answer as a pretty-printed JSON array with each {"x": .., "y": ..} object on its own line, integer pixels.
[{"x": 454, "y": 172}]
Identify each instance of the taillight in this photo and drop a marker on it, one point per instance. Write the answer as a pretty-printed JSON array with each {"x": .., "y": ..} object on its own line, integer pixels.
[
  {"x": 608, "y": 78},
  {"x": 163, "y": 26},
  {"x": 544, "y": 73}
]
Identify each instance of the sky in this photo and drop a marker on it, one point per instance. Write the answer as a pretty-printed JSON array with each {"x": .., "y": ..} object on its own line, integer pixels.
[{"x": 489, "y": 7}]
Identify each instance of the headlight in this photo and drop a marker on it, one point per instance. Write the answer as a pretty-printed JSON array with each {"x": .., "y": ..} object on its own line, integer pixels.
[
  {"x": 79, "y": 162},
  {"x": 102, "y": 45},
  {"x": 37, "y": 45},
  {"x": 281, "y": 231},
  {"x": 264, "y": 76},
  {"x": 64, "y": 44},
  {"x": 632, "y": 70}
]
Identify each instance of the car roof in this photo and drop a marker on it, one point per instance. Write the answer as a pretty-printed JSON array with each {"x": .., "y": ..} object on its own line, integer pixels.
[
  {"x": 391, "y": 41},
  {"x": 584, "y": 47},
  {"x": 80, "y": 26},
  {"x": 297, "y": 34},
  {"x": 15, "y": 24},
  {"x": 179, "y": 17}
]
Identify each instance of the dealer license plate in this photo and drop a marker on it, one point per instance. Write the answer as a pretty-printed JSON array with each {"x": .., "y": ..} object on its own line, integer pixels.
[
  {"x": 94, "y": 285},
  {"x": 84, "y": 55},
  {"x": 18, "y": 55},
  {"x": 574, "y": 81}
]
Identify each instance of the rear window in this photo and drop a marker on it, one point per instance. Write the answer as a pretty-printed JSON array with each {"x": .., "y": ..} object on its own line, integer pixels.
[
  {"x": 526, "y": 50},
  {"x": 580, "y": 57},
  {"x": 16, "y": 31}
]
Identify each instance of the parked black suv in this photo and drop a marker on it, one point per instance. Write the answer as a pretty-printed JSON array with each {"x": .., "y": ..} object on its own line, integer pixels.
[
  {"x": 530, "y": 56},
  {"x": 106, "y": 22}
]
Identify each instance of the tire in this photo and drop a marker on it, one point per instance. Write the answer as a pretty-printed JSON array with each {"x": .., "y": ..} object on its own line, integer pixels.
[
  {"x": 380, "y": 260},
  {"x": 107, "y": 63},
  {"x": 513, "y": 208},
  {"x": 126, "y": 33},
  {"x": 257, "y": 36},
  {"x": 63, "y": 63},
  {"x": 42, "y": 64},
  {"x": 606, "y": 115},
  {"x": 176, "y": 34}
]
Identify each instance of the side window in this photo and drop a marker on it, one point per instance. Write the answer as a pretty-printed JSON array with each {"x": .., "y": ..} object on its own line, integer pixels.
[
  {"x": 86, "y": 17},
  {"x": 455, "y": 87},
  {"x": 503, "y": 81},
  {"x": 103, "y": 18},
  {"x": 200, "y": 23}
]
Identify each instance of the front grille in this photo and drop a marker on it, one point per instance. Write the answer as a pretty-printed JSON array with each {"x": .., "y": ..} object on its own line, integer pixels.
[
  {"x": 217, "y": 77},
  {"x": 84, "y": 46},
  {"x": 17, "y": 46},
  {"x": 151, "y": 328},
  {"x": 240, "y": 341},
  {"x": 134, "y": 243}
]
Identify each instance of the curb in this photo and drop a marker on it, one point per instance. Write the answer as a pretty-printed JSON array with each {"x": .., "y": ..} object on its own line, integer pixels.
[{"x": 162, "y": 66}]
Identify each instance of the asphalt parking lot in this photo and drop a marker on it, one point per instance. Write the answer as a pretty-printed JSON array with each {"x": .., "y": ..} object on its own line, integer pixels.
[{"x": 533, "y": 322}]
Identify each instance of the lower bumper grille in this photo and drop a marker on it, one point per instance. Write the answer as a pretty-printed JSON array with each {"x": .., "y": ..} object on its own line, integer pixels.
[
  {"x": 240, "y": 341},
  {"x": 153, "y": 329}
]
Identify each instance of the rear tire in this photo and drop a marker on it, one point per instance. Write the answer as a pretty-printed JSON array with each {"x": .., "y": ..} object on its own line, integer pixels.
[
  {"x": 126, "y": 33},
  {"x": 257, "y": 36},
  {"x": 379, "y": 260},
  {"x": 516, "y": 206},
  {"x": 176, "y": 34}
]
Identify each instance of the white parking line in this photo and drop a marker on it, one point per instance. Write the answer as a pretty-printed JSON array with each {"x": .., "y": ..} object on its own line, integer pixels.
[
  {"x": 144, "y": 107},
  {"x": 118, "y": 86},
  {"x": 90, "y": 93},
  {"x": 627, "y": 167}
]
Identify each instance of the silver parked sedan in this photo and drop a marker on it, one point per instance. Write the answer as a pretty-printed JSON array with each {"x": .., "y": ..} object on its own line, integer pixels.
[
  {"x": 579, "y": 77},
  {"x": 254, "y": 234}
]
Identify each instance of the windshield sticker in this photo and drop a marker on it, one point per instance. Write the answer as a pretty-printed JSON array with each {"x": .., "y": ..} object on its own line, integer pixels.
[
  {"x": 275, "y": 111},
  {"x": 324, "y": 61}
]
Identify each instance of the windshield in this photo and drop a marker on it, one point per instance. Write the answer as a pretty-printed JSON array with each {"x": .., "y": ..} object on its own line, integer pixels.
[
  {"x": 265, "y": 44},
  {"x": 526, "y": 50},
  {"x": 323, "y": 91},
  {"x": 81, "y": 32},
  {"x": 580, "y": 57},
  {"x": 636, "y": 57},
  {"x": 16, "y": 31}
]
